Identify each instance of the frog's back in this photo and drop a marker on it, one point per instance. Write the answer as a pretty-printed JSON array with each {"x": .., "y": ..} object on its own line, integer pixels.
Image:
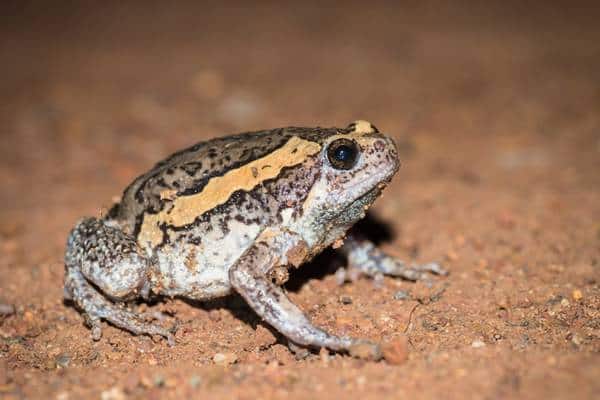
[{"x": 187, "y": 173}]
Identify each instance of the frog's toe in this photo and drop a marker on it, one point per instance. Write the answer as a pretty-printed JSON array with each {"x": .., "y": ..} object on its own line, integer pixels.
[
  {"x": 157, "y": 332},
  {"x": 415, "y": 272},
  {"x": 95, "y": 326},
  {"x": 370, "y": 260},
  {"x": 170, "y": 340},
  {"x": 433, "y": 268},
  {"x": 349, "y": 274}
]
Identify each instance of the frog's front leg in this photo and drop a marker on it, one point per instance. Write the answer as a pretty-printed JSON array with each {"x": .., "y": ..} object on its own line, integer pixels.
[
  {"x": 102, "y": 264},
  {"x": 250, "y": 277},
  {"x": 366, "y": 258}
]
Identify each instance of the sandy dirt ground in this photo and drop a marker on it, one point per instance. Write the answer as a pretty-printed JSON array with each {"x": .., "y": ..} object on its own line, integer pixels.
[{"x": 496, "y": 112}]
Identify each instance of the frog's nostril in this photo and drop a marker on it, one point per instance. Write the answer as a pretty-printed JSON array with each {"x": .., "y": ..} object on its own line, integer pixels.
[{"x": 379, "y": 145}]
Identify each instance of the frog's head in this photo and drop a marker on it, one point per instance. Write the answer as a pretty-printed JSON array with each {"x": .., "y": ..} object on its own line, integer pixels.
[{"x": 355, "y": 165}]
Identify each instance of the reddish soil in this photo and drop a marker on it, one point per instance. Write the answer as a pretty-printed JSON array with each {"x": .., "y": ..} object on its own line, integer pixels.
[{"x": 496, "y": 110}]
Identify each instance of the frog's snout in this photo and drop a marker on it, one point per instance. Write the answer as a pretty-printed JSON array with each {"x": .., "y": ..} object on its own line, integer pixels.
[{"x": 387, "y": 146}]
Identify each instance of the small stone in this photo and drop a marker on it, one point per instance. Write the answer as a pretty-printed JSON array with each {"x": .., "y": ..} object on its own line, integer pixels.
[
  {"x": 577, "y": 295},
  {"x": 195, "y": 381},
  {"x": 113, "y": 393},
  {"x": 451, "y": 255},
  {"x": 130, "y": 383},
  {"x": 170, "y": 382},
  {"x": 63, "y": 360},
  {"x": 345, "y": 300},
  {"x": 264, "y": 337},
  {"x": 324, "y": 355},
  {"x": 225, "y": 358},
  {"x": 214, "y": 315},
  {"x": 401, "y": 295},
  {"x": 145, "y": 381},
  {"x": 6, "y": 310},
  {"x": 476, "y": 344},
  {"x": 395, "y": 352},
  {"x": 300, "y": 353},
  {"x": 576, "y": 340},
  {"x": 366, "y": 351},
  {"x": 564, "y": 302},
  {"x": 62, "y": 396},
  {"x": 159, "y": 380},
  {"x": 361, "y": 380}
]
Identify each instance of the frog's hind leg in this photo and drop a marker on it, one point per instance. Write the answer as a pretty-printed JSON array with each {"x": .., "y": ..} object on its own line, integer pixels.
[
  {"x": 103, "y": 264},
  {"x": 367, "y": 259}
]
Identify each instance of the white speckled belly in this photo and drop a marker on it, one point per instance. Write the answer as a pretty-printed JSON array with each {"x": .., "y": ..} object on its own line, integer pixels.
[{"x": 201, "y": 272}]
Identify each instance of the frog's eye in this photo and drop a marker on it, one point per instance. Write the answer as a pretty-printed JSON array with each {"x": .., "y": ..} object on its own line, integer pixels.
[{"x": 342, "y": 153}]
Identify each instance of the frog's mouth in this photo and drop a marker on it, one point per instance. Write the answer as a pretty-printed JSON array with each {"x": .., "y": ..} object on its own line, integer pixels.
[
  {"x": 370, "y": 196},
  {"x": 364, "y": 202},
  {"x": 379, "y": 181}
]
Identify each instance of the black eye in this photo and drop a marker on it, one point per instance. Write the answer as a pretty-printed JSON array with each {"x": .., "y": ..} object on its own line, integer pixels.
[{"x": 342, "y": 153}]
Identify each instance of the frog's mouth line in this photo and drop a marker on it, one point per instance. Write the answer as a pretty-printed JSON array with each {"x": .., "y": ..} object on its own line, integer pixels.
[
  {"x": 375, "y": 190},
  {"x": 369, "y": 197}
]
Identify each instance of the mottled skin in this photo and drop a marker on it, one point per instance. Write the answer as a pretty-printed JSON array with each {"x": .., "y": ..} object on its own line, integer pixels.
[{"x": 231, "y": 214}]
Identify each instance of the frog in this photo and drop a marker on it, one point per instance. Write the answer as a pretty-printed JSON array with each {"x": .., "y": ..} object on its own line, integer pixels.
[{"x": 233, "y": 215}]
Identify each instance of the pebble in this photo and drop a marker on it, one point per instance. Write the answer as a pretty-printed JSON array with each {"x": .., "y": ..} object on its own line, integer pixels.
[
  {"x": 324, "y": 356},
  {"x": 300, "y": 353},
  {"x": 62, "y": 396},
  {"x": 6, "y": 309},
  {"x": 345, "y": 300},
  {"x": 366, "y": 351},
  {"x": 63, "y": 360},
  {"x": 225, "y": 358},
  {"x": 159, "y": 380},
  {"x": 477, "y": 344},
  {"x": 401, "y": 295},
  {"x": 264, "y": 337},
  {"x": 195, "y": 381},
  {"x": 145, "y": 381},
  {"x": 113, "y": 393},
  {"x": 451, "y": 255},
  {"x": 395, "y": 352},
  {"x": 577, "y": 295}
]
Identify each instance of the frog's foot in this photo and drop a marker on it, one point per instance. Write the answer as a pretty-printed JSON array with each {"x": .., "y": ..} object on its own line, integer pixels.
[
  {"x": 96, "y": 308},
  {"x": 364, "y": 258}
]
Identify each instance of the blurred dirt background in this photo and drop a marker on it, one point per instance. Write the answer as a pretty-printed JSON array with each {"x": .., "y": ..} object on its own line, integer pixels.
[{"x": 496, "y": 110}]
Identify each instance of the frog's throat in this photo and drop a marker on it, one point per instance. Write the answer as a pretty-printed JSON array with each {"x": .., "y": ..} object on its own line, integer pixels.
[{"x": 185, "y": 209}]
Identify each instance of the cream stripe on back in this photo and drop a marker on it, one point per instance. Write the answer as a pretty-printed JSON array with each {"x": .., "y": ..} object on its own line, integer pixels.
[{"x": 184, "y": 210}]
